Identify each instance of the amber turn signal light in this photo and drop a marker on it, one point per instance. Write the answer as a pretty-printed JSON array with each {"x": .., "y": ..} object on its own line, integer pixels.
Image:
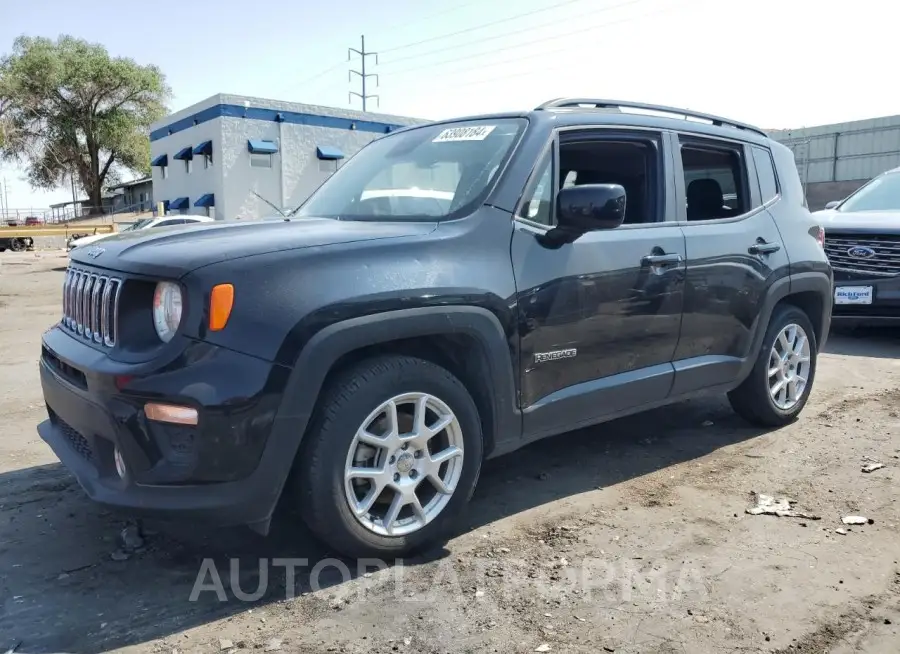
[
  {"x": 172, "y": 413},
  {"x": 220, "y": 302}
]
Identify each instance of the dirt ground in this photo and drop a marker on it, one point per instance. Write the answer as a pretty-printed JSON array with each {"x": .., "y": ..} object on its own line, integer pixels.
[{"x": 629, "y": 537}]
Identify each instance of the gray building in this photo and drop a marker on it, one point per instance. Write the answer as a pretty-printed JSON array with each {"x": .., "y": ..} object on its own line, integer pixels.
[
  {"x": 214, "y": 157},
  {"x": 835, "y": 160},
  {"x": 135, "y": 196}
]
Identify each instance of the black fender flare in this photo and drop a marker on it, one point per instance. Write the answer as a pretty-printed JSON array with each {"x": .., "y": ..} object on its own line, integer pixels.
[
  {"x": 317, "y": 358},
  {"x": 805, "y": 282}
]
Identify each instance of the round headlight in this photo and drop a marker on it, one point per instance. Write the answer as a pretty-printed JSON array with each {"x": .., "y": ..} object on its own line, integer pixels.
[{"x": 166, "y": 310}]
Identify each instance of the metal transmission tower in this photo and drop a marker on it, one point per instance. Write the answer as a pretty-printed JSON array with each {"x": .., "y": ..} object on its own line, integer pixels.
[{"x": 362, "y": 73}]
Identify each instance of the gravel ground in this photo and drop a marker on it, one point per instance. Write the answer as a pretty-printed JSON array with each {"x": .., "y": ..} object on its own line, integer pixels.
[{"x": 629, "y": 537}]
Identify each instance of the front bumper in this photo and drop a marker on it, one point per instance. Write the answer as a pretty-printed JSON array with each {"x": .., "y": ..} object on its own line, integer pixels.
[
  {"x": 885, "y": 299},
  {"x": 225, "y": 471}
]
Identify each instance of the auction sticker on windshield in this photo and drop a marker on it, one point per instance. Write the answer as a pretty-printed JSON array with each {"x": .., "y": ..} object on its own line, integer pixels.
[{"x": 474, "y": 133}]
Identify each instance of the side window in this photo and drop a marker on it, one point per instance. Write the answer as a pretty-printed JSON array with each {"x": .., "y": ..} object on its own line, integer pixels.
[
  {"x": 714, "y": 175},
  {"x": 169, "y": 223},
  {"x": 633, "y": 162},
  {"x": 539, "y": 206},
  {"x": 765, "y": 170}
]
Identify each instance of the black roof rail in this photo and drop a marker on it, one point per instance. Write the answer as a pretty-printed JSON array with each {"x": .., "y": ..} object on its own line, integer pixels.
[{"x": 562, "y": 103}]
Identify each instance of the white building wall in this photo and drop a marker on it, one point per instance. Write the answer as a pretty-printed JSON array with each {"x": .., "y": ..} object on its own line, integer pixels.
[
  {"x": 178, "y": 182},
  {"x": 296, "y": 171}
]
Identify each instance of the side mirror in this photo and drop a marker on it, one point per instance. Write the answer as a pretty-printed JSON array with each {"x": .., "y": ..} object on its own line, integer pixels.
[
  {"x": 586, "y": 208},
  {"x": 590, "y": 207},
  {"x": 832, "y": 204}
]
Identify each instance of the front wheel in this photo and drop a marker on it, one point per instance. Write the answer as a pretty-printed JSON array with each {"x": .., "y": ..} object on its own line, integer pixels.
[
  {"x": 779, "y": 385},
  {"x": 392, "y": 458}
]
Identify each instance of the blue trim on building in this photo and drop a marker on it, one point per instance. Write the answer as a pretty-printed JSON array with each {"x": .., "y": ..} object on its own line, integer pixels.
[
  {"x": 262, "y": 147},
  {"x": 165, "y": 206},
  {"x": 208, "y": 200},
  {"x": 204, "y": 148},
  {"x": 161, "y": 160},
  {"x": 184, "y": 154},
  {"x": 270, "y": 115},
  {"x": 328, "y": 153},
  {"x": 180, "y": 203}
]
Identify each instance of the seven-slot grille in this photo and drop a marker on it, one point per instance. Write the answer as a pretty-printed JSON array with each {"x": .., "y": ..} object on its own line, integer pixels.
[
  {"x": 91, "y": 305},
  {"x": 880, "y": 253}
]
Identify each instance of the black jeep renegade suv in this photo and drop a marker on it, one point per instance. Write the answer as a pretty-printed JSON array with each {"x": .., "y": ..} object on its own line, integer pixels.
[{"x": 455, "y": 291}]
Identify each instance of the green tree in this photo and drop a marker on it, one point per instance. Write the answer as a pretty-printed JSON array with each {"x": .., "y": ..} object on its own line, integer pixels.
[{"x": 67, "y": 107}]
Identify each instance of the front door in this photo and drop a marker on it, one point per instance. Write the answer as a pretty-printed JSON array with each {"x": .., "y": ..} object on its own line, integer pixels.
[
  {"x": 599, "y": 318},
  {"x": 734, "y": 250}
]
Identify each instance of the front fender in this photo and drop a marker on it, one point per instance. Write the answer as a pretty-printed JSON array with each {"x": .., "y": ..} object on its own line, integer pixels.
[{"x": 327, "y": 346}]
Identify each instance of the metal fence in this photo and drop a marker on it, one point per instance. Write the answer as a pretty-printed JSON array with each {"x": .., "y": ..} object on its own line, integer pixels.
[{"x": 62, "y": 215}]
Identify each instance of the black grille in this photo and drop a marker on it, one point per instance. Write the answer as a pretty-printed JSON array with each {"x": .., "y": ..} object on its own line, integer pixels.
[
  {"x": 876, "y": 254},
  {"x": 91, "y": 305},
  {"x": 78, "y": 442}
]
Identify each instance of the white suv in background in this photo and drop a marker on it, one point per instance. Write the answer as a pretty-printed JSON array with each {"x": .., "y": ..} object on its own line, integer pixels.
[{"x": 146, "y": 223}]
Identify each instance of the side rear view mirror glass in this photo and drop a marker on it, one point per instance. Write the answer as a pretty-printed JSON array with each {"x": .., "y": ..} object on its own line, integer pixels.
[
  {"x": 586, "y": 208},
  {"x": 590, "y": 207}
]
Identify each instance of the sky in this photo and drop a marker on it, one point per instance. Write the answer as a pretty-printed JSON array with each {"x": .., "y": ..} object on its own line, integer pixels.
[{"x": 773, "y": 63}]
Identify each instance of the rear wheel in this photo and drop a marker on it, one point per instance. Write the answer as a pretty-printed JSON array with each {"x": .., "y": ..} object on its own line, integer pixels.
[
  {"x": 392, "y": 458},
  {"x": 779, "y": 385},
  {"x": 17, "y": 245}
]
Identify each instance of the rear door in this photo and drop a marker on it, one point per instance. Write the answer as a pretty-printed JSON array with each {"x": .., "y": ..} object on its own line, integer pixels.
[{"x": 734, "y": 253}]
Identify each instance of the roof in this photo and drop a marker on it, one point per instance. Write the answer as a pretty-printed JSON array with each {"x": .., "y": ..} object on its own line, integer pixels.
[
  {"x": 848, "y": 127},
  {"x": 566, "y": 116},
  {"x": 223, "y": 105},
  {"x": 68, "y": 202},
  {"x": 134, "y": 182}
]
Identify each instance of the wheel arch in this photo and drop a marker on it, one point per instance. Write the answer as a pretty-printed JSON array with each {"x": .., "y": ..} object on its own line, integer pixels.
[
  {"x": 810, "y": 292},
  {"x": 468, "y": 341}
]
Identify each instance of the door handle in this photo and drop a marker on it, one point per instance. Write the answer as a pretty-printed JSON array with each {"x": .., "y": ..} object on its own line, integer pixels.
[
  {"x": 661, "y": 259},
  {"x": 763, "y": 248}
]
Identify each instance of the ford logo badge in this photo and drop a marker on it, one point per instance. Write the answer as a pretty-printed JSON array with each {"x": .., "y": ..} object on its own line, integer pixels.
[{"x": 861, "y": 252}]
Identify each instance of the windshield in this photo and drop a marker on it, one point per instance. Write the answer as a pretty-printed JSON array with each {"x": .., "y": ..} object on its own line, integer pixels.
[
  {"x": 881, "y": 194},
  {"x": 431, "y": 172},
  {"x": 138, "y": 225}
]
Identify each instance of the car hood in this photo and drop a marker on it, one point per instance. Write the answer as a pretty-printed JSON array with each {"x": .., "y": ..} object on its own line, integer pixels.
[
  {"x": 866, "y": 222},
  {"x": 174, "y": 252}
]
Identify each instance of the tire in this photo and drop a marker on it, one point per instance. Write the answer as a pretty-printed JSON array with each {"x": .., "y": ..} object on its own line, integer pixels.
[
  {"x": 752, "y": 400},
  {"x": 321, "y": 493},
  {"x": 17, "y": 245}
]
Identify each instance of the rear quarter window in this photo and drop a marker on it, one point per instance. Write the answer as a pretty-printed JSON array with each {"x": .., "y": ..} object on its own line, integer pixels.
[{"x": 765, "y": 171}]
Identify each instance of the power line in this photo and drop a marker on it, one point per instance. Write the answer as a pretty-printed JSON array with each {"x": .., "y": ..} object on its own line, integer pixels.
[
  {"x": 363, "y": 75},
  {"x": 549, "y": 68},
  {"x": 529, "y": 44},
  {"x": 482, "y": 26},
  {"x": 436, "y": 14},
  {"x": 320, "y": 74},
  {"x": 513, "y": 33}
]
